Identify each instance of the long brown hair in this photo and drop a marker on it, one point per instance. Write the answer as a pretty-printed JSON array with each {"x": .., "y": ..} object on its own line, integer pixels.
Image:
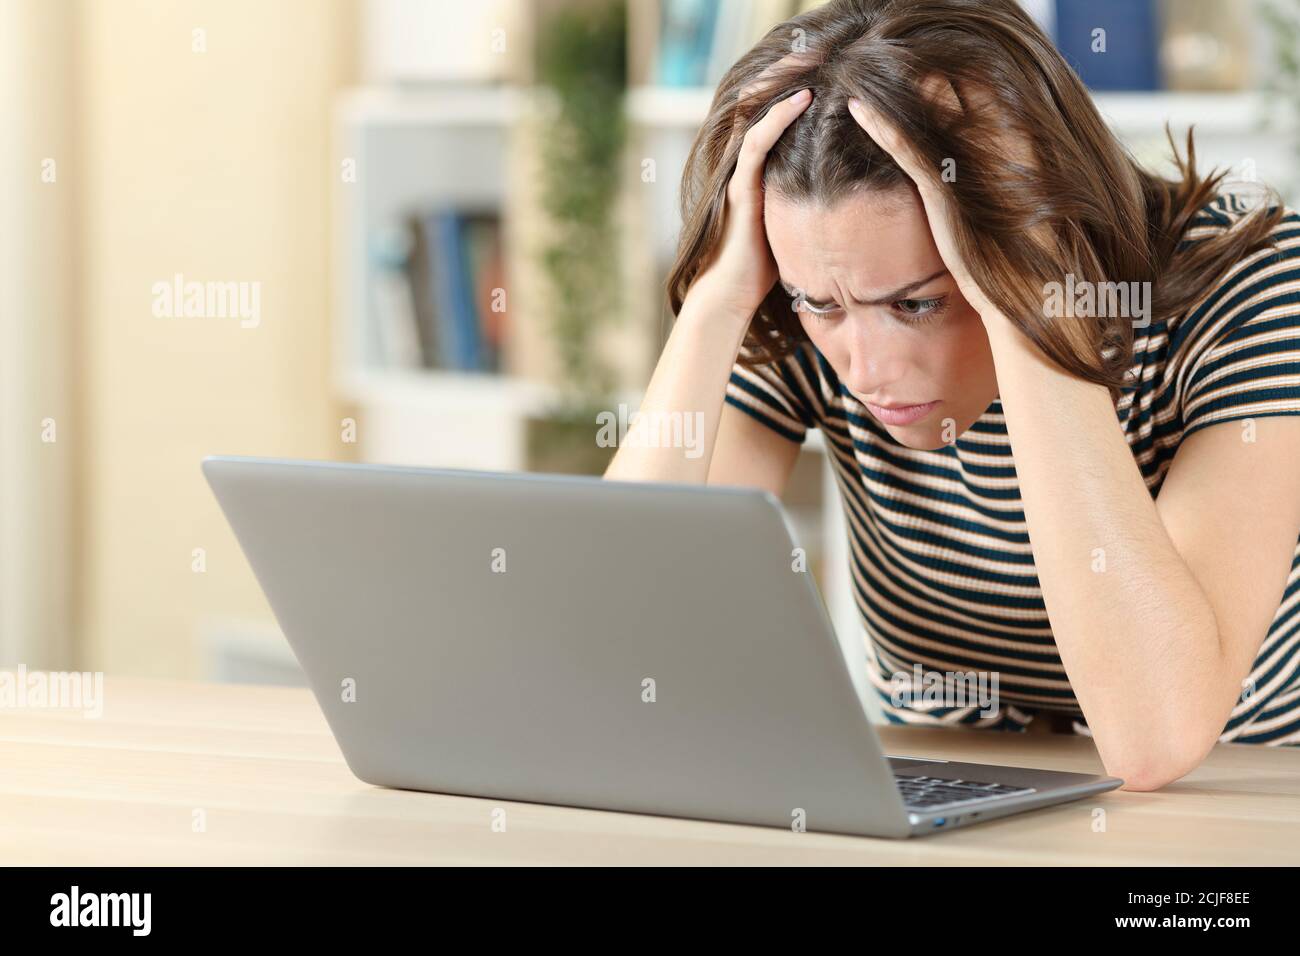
[{"x": 1111, "y": 220}]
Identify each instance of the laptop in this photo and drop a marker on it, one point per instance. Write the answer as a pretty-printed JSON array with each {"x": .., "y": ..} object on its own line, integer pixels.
[{"x": 638, "y": 647}]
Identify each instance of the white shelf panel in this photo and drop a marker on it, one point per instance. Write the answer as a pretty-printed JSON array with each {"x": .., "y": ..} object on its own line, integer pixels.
[
  {"x": 668, "y": 107},
  {"x": 431, "y": 106},
  {"x": 450, "y": 419},
  {"x": 1216, "y": 113},
  {"x": 443, "y": 419},
  {"x": 437, "y": 391},
  {"x": 685, "y": 108}
]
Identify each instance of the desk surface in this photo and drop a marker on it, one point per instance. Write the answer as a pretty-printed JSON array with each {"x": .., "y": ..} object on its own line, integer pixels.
[{"x": 272, "y": 786}]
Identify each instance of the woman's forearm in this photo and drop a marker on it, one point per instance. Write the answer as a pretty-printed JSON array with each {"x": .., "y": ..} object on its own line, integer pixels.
[
  {"x": 673, "y": 435},
  {"x": 1136, "y": 633}
]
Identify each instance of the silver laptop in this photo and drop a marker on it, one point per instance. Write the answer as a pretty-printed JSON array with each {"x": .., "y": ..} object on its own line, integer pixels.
[{"x": 622, "y": 646}]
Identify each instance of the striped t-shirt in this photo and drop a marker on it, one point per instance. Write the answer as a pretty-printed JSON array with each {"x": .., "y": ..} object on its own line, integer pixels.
[{"x": 941, "y": 565}]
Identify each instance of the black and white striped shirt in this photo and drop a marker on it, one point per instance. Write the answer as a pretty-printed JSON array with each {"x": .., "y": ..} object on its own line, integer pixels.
[{"x": 942, "y": 570}]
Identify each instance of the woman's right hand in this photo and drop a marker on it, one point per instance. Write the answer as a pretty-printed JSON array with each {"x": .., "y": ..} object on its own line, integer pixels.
[
  {"x": 692, "y": 372},
  {"x": 742, "y": 270}
]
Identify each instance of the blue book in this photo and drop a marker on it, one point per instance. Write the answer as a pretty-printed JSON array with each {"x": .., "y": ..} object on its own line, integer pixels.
[
  {"x": 1130, "y": 59},
  {"x": 685, "y": 41},
  {"x": 458, "y": 331}
]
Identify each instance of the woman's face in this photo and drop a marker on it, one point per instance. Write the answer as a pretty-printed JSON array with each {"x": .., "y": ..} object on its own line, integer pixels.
[{"x": 895, "y": 329}]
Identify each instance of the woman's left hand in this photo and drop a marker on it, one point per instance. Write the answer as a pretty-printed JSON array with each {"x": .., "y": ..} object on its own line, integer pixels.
[
  {"x": 931, "y": 186},
  {"x": 932, "y": 195}
]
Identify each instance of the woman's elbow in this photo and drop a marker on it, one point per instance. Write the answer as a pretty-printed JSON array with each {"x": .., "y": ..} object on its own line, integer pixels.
[{"x": 1160, "y": 762}]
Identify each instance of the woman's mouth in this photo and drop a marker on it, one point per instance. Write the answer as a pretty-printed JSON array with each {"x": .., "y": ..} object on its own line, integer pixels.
[{"x": 900, "y": 414}]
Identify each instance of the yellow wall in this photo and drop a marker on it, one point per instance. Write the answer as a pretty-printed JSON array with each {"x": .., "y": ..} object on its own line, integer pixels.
[
  {"x": 38, "y": 186},
  {"x": 216, "y": 165}
]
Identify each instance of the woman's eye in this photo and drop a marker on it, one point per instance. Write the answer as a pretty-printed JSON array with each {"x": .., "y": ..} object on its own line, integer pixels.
[
  {"x": 919, "y": 307},
  {"x": 799, "y": 302},
  {"x": 816, "y": 308}
]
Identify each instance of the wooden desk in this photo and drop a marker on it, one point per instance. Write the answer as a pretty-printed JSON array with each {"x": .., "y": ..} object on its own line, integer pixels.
[{"x": 262, "y": 766}]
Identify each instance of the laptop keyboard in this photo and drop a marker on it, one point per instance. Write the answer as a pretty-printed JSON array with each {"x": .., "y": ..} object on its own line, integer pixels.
[{"x": 932, "y": 792}]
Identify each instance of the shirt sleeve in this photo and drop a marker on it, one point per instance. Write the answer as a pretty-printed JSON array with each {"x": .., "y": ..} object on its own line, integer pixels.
[
  {"x": 778, "y": 395},
  {"x": 1243, "y": 359}
]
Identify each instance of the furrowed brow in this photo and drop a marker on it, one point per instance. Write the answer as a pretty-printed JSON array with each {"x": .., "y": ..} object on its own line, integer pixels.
[
  {"x": 903, "y": 291},
  {"x": 888, "y": 298},
  {"x": 790, "y": 289}
]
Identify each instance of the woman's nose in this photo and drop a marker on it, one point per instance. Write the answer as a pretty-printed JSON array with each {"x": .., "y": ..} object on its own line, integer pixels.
[{"x": 872, "y": 370}]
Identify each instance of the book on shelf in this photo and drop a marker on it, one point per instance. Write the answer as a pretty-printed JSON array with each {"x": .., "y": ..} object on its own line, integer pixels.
[
  {"x": 423, "y": 283},
  {"x": 696, "y": 41},
  {"x": 440, "y": 303},
  {"x": 458, "y": 333},
  {"x": 396, "y": 326},
  {"x": 685, "y": 41},
  {"x": 1146, "y": 45},
  {"x": 487, "y": 283},
  {"x": 1114, "y": 45}
]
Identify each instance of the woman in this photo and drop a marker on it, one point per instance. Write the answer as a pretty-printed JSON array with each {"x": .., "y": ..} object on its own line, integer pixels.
[{"x": 1061, "y": 395}]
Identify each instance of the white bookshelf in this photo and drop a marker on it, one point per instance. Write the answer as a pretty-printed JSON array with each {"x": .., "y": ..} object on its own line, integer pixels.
[
  {"x": 409, "y": 149},
  {"x": 417, "y": 147}
]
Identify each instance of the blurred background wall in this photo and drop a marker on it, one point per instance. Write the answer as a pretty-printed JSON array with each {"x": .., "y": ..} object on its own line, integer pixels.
[
  {"x": 38, "y": 521},
  {"x": 399, "y": 181},
  {"x": 186, "y": 137},
  {"x": 203, "y": 150}
]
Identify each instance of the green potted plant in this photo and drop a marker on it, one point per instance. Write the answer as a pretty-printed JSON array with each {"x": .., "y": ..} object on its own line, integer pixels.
[{"x": 582, "y": 67}]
